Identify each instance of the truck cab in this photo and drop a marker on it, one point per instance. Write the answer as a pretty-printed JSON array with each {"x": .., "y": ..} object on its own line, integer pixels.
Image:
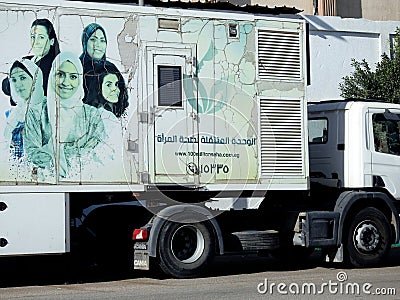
[
  {"x": 355, "y": 144},
  {"x": 354, "y": 166}
]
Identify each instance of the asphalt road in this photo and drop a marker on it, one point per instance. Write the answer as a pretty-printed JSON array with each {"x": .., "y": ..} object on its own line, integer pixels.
[{"x": 231, "y": 277}]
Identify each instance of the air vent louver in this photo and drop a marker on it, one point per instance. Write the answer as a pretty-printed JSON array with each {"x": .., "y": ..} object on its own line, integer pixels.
[
  {"x": 279, "y": 55},
  {"x": 281, "y": 138}
]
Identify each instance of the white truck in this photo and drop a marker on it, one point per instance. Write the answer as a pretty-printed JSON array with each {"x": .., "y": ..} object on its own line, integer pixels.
[{"x": 173, "y": 135}]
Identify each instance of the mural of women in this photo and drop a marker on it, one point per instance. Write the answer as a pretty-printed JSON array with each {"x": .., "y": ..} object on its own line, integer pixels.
[
  {"x": 44, "y": 46},
  {"x": 26, "y": 89},
  {"x": 95, "y": 63},
  {"x": 80, "y": 128}
]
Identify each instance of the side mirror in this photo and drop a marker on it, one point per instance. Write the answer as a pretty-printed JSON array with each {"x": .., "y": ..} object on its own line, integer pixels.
[{"x": 391, "y": 116}]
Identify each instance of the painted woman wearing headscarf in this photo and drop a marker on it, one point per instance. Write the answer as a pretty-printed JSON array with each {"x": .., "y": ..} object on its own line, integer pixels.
[
  {"x": 80, "y": 127},
  {"x": 94, "y": 61},
  {"x": 26, "y": 87},
  {"x": 44, "y": 46}
]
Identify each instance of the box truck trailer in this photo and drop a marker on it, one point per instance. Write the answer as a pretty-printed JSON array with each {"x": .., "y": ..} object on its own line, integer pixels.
[{"x": 144, "y": 134}]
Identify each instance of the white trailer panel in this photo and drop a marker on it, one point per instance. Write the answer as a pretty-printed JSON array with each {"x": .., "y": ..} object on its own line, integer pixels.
[{"x": 33, "y": 223}]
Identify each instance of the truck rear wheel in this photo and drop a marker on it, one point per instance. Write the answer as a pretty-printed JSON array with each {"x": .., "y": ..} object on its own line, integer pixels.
[
  {"x": 368, "y": 240},
  {"x": 185, "y": 249}
]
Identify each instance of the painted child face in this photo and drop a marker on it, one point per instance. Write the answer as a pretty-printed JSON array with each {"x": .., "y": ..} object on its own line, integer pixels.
[
  {"x": 67, "y": 80},
  {"x": 22, "y": 82},
  {"x": 40, "y": 41},
  {"x": 96, "y": 45},
  {"x": 110, "y": 89}
]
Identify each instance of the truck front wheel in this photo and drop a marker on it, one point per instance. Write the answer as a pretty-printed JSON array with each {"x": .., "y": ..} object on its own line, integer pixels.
[
  {"x": 368, "y": 239},
  {"x": 185, "y": 249}
]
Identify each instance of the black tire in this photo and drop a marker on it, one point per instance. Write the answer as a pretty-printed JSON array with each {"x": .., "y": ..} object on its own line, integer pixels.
[
  {"x": 185, "y": 249},
  {"x": 368, "y": 238}
]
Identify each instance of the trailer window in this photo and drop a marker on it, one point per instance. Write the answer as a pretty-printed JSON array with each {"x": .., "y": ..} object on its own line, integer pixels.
[
  {"x": 386, "y": 134},
  {"x": 169, "y": 86},
  {"x": 318, "y": 131}
]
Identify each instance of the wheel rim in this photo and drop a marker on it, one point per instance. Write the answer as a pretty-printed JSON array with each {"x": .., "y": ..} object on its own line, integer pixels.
[
  {"x": 366, "y": 237},
  {"x": 187, "y": 244}
]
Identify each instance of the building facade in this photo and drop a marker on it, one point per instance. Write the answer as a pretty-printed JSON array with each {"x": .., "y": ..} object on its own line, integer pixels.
[
  {"x": 388, "y": 10},
  {"x": 335, "y": 41}
]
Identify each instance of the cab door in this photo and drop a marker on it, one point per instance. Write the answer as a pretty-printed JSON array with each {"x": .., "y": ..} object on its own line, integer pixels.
[{"x": 385, "y": 148}]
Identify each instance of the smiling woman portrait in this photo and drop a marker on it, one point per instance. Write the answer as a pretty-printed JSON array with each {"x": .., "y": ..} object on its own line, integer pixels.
[
  {"x": 44, "y": 47},
  {"x": 110, "y": 91},
  {"x": 81, "y": 128}
]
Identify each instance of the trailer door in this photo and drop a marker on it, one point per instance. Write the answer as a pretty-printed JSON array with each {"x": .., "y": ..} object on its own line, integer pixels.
[{"x": 174, "y": 129}]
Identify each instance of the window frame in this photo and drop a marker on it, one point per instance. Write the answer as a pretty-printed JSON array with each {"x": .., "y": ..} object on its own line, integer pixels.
[
  {"x": 385, "y": 144},
  {"x": 178, "y": 104},
  {"x": 323, "y": 141}
]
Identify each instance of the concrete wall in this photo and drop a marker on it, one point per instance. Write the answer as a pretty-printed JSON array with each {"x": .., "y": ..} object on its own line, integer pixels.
[
  {"x": 381, "y": 10},
  {"x": 334, "y": 42},
  {"x": 386, "y": 10}
]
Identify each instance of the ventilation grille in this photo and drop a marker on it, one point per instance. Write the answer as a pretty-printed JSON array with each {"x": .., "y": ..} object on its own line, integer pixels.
[
  {"x": 279, "y": 55},
  {"x": 281, "y": 138},
  {"x": 169, "y": 86}
]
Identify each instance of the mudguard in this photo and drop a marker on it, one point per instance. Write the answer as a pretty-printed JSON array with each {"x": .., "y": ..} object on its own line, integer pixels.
[{"x": 347, "y": 199}]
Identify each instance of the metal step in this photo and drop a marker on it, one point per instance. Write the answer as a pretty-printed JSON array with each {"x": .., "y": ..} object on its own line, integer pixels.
[{"x": 258, "y": 240}]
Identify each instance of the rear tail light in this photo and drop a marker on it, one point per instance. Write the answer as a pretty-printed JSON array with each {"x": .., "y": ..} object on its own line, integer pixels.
[{"x": 140, "y": 234}]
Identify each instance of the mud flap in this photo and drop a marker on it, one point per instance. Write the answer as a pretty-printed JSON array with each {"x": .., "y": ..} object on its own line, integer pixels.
[{"x": 141, "y": 260}]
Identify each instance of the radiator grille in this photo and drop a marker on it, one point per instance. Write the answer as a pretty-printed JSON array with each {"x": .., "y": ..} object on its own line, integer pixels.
[
  {"x": 281, "y": 138},
  {"x": 279, "y": 55}
]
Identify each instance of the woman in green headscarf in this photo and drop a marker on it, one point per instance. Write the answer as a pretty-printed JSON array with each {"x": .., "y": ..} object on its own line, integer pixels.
[{"x": 80, "y": 127}]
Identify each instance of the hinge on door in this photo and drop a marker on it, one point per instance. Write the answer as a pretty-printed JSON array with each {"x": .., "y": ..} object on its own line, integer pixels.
[
  {"x": 145, "y": 177},
  {"x": 146, "y": 117},
  {"x": 133, "y": 146}
]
